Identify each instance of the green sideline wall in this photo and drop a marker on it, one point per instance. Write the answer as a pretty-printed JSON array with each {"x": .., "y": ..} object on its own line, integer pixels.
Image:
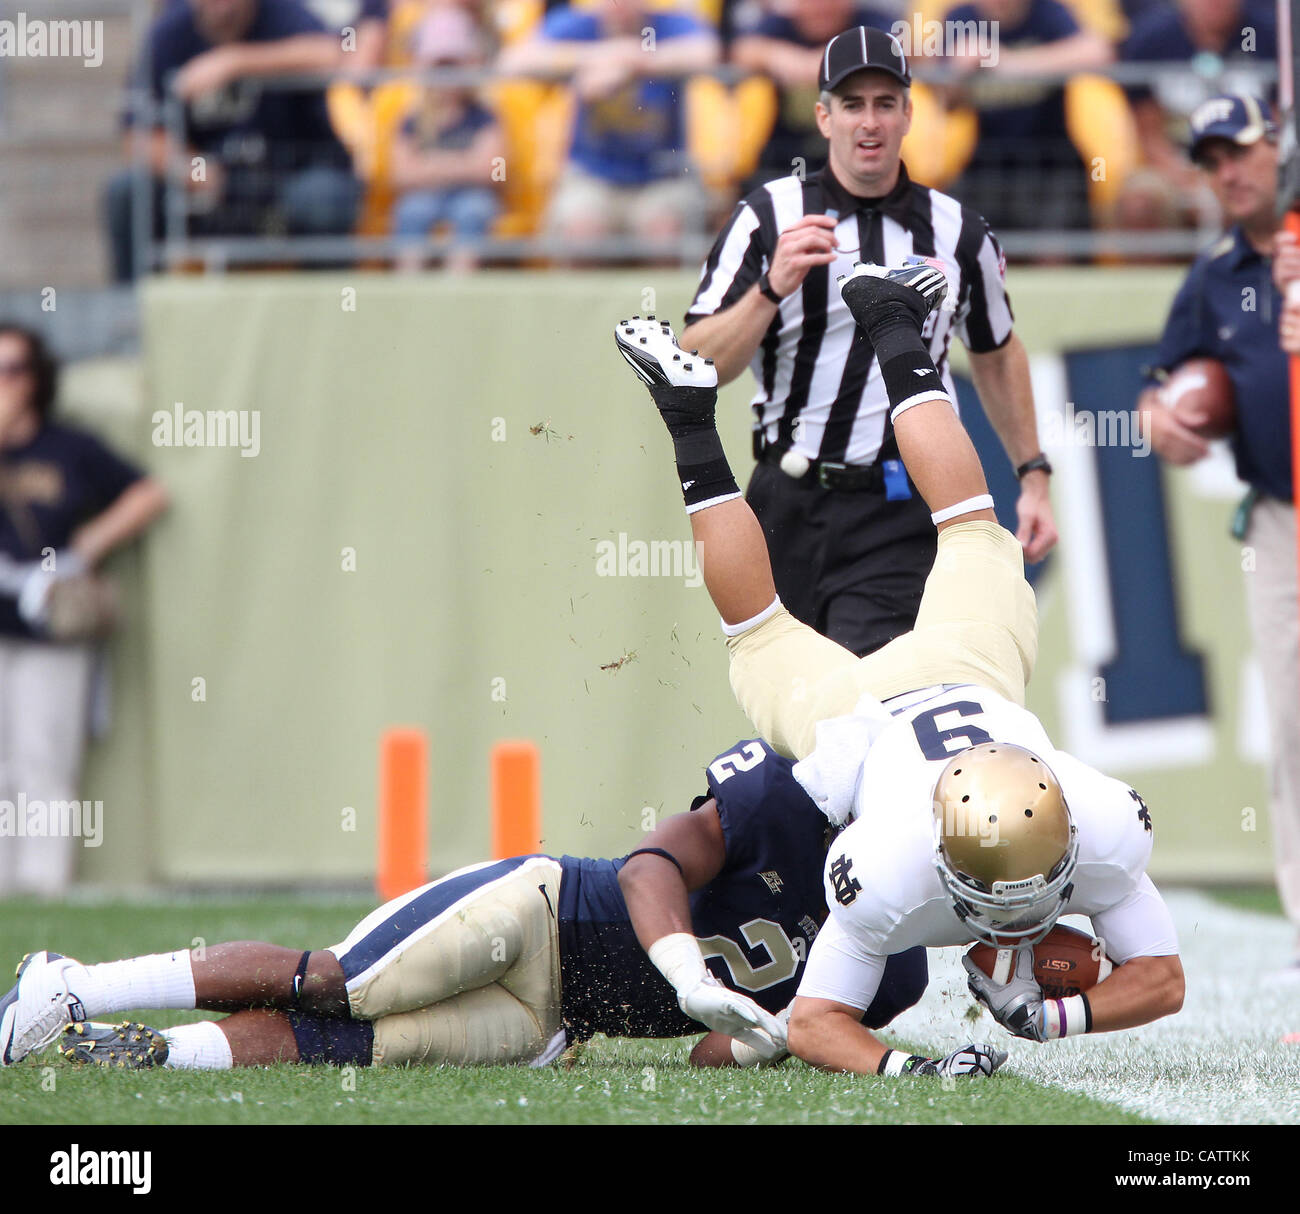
[{"x": 476, "y": 609}]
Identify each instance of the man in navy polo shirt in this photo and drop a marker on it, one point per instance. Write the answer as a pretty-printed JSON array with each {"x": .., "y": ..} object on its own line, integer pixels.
[
  {"x": 256, "y": 158},
  {"x": 1228, "y": 309}
]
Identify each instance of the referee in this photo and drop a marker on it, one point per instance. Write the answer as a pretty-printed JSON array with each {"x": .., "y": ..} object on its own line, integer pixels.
[{"x": 850, "y": 538}]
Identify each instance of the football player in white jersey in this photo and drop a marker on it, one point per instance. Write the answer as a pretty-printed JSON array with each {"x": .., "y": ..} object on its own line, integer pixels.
[{"x": 966, "y": 823}]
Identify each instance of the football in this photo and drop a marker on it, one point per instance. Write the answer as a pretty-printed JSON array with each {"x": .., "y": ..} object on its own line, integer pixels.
[
  {"x": 1066, "y": 961},
  {"x": 1201, "y": 396}
]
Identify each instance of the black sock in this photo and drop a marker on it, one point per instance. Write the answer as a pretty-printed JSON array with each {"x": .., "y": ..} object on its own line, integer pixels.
[
  {"x": 905, "y": 363},
  {"x": 702, "y": 468}
]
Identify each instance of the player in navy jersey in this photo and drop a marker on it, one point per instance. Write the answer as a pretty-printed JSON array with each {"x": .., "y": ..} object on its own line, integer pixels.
[{"x": 706, "y": 924}]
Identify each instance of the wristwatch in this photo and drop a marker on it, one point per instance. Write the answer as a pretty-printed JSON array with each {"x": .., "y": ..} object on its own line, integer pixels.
[
  {"x": 765, "y": 289},
  {"x": 1038, "y": 463}
]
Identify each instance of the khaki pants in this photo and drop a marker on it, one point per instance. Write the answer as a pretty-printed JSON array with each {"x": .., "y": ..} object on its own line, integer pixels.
[
  {"x": 1271, "y": 598},
  {"x": 44, "y": 699},
  {"x": 978, "y": 623},
  {"x": 462, "y": 971}
]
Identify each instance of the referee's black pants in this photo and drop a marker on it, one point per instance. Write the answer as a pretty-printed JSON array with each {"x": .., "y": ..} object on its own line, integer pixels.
[{"x": 849, "y": 564}]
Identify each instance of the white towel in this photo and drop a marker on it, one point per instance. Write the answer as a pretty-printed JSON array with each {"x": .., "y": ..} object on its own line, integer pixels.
[{"x": 830, "y": 775}]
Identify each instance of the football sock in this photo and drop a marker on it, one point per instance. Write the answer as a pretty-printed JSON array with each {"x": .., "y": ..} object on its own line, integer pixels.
[
  {"x": 158, "y": 980},
  {"x": 198, "y": 1047},
  {"x": 905, "y": 364},
  {"x": 702, "y": 469}
]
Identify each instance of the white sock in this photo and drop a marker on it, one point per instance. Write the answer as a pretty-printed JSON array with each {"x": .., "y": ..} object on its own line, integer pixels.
[
  {"x": 159, "y": 980},
  {"x": 198, "y": 1047}
]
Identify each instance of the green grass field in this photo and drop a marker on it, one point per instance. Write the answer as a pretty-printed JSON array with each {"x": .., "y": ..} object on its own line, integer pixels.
[
  {"x": 608, "y": 1082},
  {"x": 1261, "y": 898}
]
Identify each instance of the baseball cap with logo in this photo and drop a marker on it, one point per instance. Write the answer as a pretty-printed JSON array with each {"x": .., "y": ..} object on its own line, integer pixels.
[
  {"x": 860, "y": 48},
  {"x": 1236, "y": 117}
]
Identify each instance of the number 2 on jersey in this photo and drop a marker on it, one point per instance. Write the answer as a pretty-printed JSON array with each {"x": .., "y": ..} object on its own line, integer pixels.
[
  {"x": 749, "y": 756},
  {"x": 785, "y": 956}
]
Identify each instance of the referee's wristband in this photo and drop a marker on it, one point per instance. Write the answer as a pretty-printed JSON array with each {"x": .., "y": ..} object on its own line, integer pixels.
[
  {"x": 1040, "y": 463},
  {"x": 766, "y": 290}
]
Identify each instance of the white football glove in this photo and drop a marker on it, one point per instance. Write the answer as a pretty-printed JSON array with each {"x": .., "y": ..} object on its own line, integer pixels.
[
  {"x": 1017, "y": 1005},
  {"x": 771, "y": 1050},
  {"x": 702, "y": 997},
  {"x": 727, "y": 1011}
]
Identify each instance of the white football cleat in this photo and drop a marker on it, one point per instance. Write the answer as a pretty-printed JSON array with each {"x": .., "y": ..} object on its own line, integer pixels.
[
  {"x": 38, "y": 1007},
  {"x": 652, "y": 352}
]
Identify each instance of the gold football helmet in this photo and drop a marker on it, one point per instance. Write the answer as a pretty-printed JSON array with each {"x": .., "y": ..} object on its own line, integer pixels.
[{"x": 1005, "y": 845}]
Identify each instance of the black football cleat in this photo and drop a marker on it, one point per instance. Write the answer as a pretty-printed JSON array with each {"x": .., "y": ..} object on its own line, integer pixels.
[
  {"x": 126, "y": 1046},
  {"x": 873, "y": 293}
]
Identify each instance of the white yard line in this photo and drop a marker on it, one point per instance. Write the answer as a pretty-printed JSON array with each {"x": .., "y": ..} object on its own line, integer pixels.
[{"x": 1221, "y": 1060}]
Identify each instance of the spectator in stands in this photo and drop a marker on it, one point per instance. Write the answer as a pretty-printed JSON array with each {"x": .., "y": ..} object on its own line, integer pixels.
[
  {"x": 1025, "y": 171},
  {"x": 66, "y": 501},
  {"x": 255, "y": 158},
  {"x": 1228, "y": 43},
  {"x": 449, "y": 147},
  {"x": 787, "y": 46},
  {"x": 627, "y": 171}
]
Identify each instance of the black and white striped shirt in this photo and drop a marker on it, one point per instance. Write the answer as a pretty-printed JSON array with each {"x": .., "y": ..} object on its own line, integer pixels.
[{"x": 819, "y": 390}]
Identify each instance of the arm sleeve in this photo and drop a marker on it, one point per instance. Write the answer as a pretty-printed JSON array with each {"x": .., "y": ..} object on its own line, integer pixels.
[
  {"x": 735, "y": 263},
  {"x": 840, "y": 969},
  {"x": 1139, "y": 926},
  {"x": 1184, "y": 336},
  {"x": 986, "y": 321}
]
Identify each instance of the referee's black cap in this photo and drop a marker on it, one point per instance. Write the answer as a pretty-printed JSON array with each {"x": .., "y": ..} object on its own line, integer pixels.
[{"x": 858, "y": 49}]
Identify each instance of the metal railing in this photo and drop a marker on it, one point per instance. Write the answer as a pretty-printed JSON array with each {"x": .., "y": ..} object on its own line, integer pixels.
[{"x": 180, "y": 246}]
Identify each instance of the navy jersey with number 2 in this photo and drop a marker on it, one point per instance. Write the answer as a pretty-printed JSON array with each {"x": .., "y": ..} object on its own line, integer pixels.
[{"x": 755, "y": 921}]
